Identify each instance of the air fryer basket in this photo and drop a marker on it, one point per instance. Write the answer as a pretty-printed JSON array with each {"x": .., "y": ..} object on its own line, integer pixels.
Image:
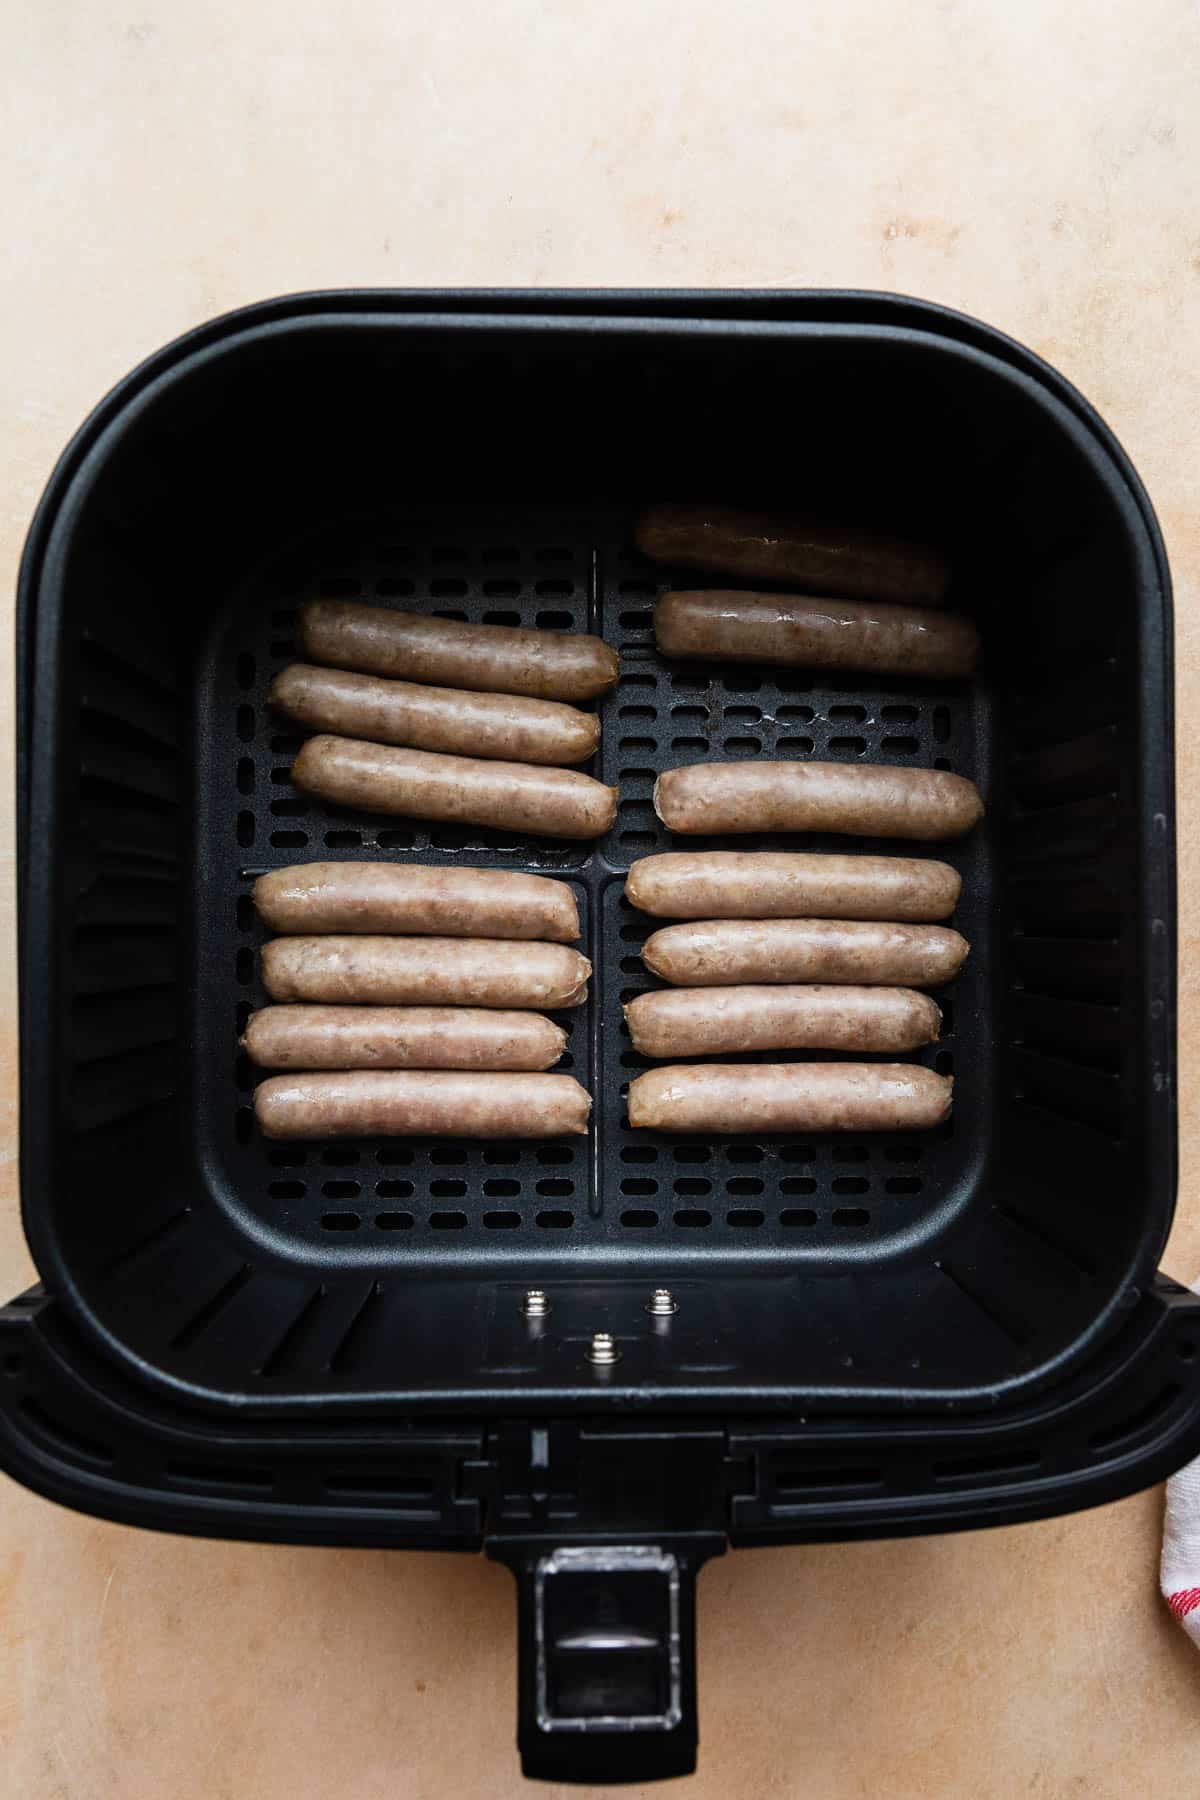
[{"x": 484, "y": 457}]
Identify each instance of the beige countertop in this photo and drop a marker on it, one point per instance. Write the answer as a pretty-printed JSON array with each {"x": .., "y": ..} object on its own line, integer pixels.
[{"x": 1037, "y": 164}]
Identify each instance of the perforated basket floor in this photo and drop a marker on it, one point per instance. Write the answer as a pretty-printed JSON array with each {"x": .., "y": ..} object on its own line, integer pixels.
[{"x": 824, "y": 1197}]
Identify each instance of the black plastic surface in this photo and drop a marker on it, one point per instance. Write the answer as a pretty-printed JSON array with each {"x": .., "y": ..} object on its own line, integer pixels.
[{"x": 313, "y": 449}]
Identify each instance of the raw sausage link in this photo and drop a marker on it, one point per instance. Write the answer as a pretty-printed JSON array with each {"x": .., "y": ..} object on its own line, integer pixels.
[
  {"x": 431, "y": 718},
  {"x": 427, "y": 971},
  {"x": 863, "y": 799},
  {"x": 507, "y": 796},
  {"x": 721, "y": 625},
  {"x": 727, "y": 952},
  {"x": 748, "y": 884},
  {"x": 760, "y": 546},
  {"x": 400, "y": 1037},
  {"x": 406, "y": 897},
  {"x": 725, "y": 1020},
  {"x": 769, "y": 1098},
  {"x": 421, "y": 1103},
  {"x": 494, "y": 659}
]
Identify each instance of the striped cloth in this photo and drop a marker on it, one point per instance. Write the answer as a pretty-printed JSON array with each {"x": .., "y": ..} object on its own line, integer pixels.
[{"x": 1180, "y": 1569}]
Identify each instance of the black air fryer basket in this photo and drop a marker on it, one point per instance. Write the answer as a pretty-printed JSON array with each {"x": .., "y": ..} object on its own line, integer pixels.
[{"x": 326, "y": 1343}]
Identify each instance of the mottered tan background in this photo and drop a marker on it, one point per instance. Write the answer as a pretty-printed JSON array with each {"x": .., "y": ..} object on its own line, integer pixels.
[{"x": 1035, "y": 162}]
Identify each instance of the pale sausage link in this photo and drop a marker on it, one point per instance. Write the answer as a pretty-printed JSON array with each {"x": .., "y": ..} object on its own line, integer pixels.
[
  {"x": 421, "y": 1103},
  {"x": 732, "y": 1020},
  {"x": 861, "y": 799},
  {"x": 464, "y": 790},
  {"x": 767, "y": 1099}
]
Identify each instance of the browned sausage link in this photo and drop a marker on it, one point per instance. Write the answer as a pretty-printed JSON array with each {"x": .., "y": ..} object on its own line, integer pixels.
[
  {"x": 408, "y": 898},
  {"x": 431, "y": 718},
  {"x": 728, "y": 952},
  {"x": 725, "y": 1020},
  {"x": 400, "y": 1037},
  {"x": 768, "y": 1098},
  {"x": 720, "y": 625},
  {"x": 421, "y": 785},
  {"x": 493, "y": 659},
  {"x": 863, "y": 799},
  {"x": 761, "y": 546},
  {"x": 749, "y": 884},
  {"x": 429, "y": 971},
  {"x": 421, "y": 1103}
]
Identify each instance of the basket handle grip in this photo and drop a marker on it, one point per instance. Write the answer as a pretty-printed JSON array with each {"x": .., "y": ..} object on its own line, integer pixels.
[{"x": 606, "y": 1676}]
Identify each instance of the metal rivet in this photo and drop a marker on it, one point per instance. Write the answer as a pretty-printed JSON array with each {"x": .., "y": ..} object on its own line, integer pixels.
[
  {"x": 662, "y": 1303},
  {"x": 603, "y": 1349},
  {"x": 535, "y": 1304}
]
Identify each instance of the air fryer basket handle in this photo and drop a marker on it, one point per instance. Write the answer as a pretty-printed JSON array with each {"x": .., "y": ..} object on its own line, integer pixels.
[{"x": 606, "y": 1676}]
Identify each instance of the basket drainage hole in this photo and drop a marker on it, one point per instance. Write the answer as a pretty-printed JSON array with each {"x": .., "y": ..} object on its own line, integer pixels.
[
  {"x": 501, "y": 1221},
  {"x": 341, "y": 1190},
  {"x": 745, "y": 1215},
  {"x": 340, "y": 1221},
  {"x": 640, "y": 1217},
  {"x": 394, "y": 1221},
  {"x": 1187, "y": 1349},
  {"x": 798, "y": 1215},
  {"x": 555, "y": 1220},
  {"x": 448, "y": 1221},
  {"x": 694, "y": 1216},
  {"x": 850, "y": 1215}
]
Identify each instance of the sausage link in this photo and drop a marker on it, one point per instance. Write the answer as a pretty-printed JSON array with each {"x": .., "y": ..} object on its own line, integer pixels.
[
  {"x": 400, "y": 1037},
  {"x": 725, "y": 1020},
  {"x": 769, "y": 1098},
  {"x": 432, "y": 718},
  {"x": 722, "y": 625},
  {"x": 492, "y": 659},
  {"x": 426, "y": 971},
  {"x": 748, "y": 884},
  {"x": 728, "y": 952},
  {"x": 468, "y": 791},
  {"x": 408, "y": 898},
  {"x": 765, "y": 546},
  {"x": 860, "y": 799},
  {"x": 421, "y": 1103}
]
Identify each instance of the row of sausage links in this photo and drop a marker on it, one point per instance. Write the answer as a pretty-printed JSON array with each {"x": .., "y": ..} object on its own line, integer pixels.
[
  {"x": 436, "y": 719},
  {"x": 704, "y": 799},
  {"x": 717, "y": 625},
  {"x": 412, "y": 899},
  {"x": 666, "y": 1024},
  {"x": 725, "y": 1099},
  {"x": 865, "y": 601},
  {"x": 364, "y": 970}
]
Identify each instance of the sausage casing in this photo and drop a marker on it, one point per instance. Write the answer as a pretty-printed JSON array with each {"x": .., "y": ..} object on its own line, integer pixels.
[
  {"x": 400, "y": 1037},
  {"x": 723, "y": 625},
  {"x": 860, "y": 799},
  {"x": 424, "y": 971},
  {"x": 728, "y": 1020},
  {"x": 766, "y": 546},
  {"x": 731, "y": 952},
  {"x": 466, "y": 790},
  {"x": 510, "y": 726},
  {"x": 421, "y": 1103},
  {"x": 497, "y": 659},
  {"x": 750, "y": 884},
  {"x": 407, "y": 898},
  {"x": 769, "y": 1098}
]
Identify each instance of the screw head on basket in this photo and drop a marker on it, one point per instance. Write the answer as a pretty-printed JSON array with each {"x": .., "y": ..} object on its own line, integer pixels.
[
  {"x": 662, "y": 1303},
  {"x": 535, "y": 1305},
  {"x": 602, "y": 1351}
]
